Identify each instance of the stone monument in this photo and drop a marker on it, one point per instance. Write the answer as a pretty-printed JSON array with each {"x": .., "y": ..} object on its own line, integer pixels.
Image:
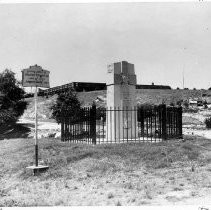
[{"x": 121, "y": 96}]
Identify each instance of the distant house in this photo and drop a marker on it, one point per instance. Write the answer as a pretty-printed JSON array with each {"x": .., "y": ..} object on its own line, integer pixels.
[{"x": 193, "y": 103}]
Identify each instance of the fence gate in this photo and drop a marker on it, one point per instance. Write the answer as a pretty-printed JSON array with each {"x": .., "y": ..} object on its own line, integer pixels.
[{"x": 152, "y": 124}]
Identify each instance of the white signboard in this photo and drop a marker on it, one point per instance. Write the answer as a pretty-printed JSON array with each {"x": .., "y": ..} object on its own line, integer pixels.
[{"x": 35, "y": 76}]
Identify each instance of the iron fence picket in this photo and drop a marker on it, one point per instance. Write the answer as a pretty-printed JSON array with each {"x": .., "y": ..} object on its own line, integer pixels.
[
  {"x": 151, "y": 124},
  {"x": 119, "y": 123},
  {"x": 135, "y": 113}
]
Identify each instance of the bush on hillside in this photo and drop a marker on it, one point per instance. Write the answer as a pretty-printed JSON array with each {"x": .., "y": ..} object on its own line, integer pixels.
[
  {"x": 12, "y": 104},
  {"x": 172, "y": 104},
  {"x": 179, "y": 103},
  {"x": 208, "y": 122},
  {"x": 186, "y": 104},
  {"x": 67, "y": 105}
]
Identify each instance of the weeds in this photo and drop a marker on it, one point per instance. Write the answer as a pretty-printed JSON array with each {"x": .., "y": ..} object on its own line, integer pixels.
[
  {"x": 110, "y": 195},
  {"x": 79, "y": 157},
  {"x": 128, "y": 185},
  {"x": 177, "y": 189},
  {"x": 118, "y": 203},
  {"x": 162, "y": 164}
]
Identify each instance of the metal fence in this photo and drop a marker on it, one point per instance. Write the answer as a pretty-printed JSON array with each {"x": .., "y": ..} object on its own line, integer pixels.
[{"x": 140, "y": 124}]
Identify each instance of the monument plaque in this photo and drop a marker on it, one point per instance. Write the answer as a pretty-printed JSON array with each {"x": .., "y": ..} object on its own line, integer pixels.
[{"x": 121, "y": 96}]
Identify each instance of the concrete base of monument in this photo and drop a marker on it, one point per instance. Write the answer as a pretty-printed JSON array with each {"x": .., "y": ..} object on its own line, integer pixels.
[
  {"x": 129, "y": 140},
  {"x": 38, "y": 169}
]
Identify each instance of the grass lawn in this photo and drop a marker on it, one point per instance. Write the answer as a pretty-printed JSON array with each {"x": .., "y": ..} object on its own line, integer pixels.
[{"x": 123, "y": 174}]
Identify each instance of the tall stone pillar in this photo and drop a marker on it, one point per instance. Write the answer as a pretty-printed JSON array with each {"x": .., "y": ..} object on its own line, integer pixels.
[{"x": 121, "y": 96}]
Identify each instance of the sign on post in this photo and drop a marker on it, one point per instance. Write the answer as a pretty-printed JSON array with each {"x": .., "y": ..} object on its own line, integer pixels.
[{"x": 35, "y": 76}]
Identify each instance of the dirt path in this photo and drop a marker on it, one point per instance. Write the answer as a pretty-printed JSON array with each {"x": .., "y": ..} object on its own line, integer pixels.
[{"x": 42, "y": 125}]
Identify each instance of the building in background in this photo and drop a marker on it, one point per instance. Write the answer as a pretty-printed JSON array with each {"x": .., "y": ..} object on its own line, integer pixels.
[{"x": 89, "y": 86}]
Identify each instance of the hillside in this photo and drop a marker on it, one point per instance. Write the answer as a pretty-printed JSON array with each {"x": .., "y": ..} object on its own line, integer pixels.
[
  {"x": 87, "y": 98},
  {"x": 43, "y": 108},
  {"x": 144, "y": 96}
]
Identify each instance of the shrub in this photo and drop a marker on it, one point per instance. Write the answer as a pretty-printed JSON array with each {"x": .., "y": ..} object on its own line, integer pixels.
[
  {"x": 179, "y": 103},
  {"x": 205, "y": 106},
  {"x": 67, "y": 104},
  {"x": 208, "y": 122},
  {"x": 186, "y": 104}
]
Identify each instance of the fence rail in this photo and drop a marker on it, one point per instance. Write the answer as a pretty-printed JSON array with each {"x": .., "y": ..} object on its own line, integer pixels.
[{"x": 95, "y": 126}]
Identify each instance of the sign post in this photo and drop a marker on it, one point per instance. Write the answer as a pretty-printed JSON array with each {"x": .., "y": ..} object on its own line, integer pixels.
[
  {"x": 35, "y": 76},
  {"x": 36, "y": 139}
]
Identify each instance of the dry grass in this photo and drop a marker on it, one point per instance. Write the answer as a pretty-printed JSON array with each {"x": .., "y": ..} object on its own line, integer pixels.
[
  {"x": 150, "y": 96},
  {"x": 123, "y": 174}
]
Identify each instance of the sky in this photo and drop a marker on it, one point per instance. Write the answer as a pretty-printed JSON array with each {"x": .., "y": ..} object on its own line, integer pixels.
[{"x": 76, "y": 42}]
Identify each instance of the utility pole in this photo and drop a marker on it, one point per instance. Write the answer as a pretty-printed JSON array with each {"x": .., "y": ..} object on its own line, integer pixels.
[
  {"x": 183, "y": 71},
  {"x": 183, "y": 78}
]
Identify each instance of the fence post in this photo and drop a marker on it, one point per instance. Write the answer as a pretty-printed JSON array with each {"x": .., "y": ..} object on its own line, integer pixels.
[
  {"x": 93, "y": 123},
  {"x": 164, "y": 121},
  {"x": 62, "y": 128},
  {"x": 142, "y": 121},
  {"x": 180, "y": 122}
]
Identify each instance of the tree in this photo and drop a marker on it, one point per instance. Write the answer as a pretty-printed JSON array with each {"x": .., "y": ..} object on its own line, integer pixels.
[
  {"x": 12, "y": 102},
  {"x": 67, "y": 104}
]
